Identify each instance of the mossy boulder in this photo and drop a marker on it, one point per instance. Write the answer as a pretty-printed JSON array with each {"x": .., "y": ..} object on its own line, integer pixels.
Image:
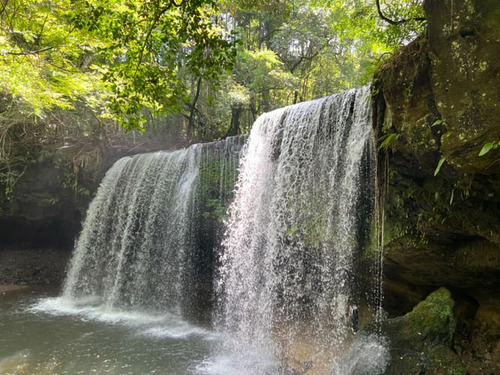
[
  {"x": 421, "y": 342},
  {"x": 432, "y": 321}
]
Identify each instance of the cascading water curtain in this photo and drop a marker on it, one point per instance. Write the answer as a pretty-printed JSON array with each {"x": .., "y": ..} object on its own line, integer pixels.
[
  {"x": 148, "y": 241},
  {"x": 304, "y": 197},
  {"x": 134, "y": 248}
]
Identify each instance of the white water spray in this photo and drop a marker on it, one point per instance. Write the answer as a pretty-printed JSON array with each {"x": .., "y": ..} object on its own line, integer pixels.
[
  {"x": 141, "y": 247},
  {"x": 302, "y": 204}
]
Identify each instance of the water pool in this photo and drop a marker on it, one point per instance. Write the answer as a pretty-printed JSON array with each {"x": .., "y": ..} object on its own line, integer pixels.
[{"x": 42, "y": 334}]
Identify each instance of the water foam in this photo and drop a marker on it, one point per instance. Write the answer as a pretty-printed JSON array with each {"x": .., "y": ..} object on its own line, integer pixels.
[{"x": 165, "y": 325}]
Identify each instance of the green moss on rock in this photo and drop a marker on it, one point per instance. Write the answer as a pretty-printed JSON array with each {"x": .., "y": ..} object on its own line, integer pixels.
[
  {"x": 432, "y": 319},
  {"x": 421, "y": 342},
  {"x": 464, "y": 49},
  {"x": 444, "y": 361},
  {"x": 438, "y": 99}
]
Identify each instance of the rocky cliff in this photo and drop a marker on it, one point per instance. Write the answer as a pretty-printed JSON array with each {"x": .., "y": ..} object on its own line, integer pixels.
[{"x": 437, "y": 105}]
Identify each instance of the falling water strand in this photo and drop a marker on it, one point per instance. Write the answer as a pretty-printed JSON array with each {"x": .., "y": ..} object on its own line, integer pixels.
[
  {"x": 296, "y": 225},
  {"x": 381, "y": 195},
  {"x": 137, "y": 226}
]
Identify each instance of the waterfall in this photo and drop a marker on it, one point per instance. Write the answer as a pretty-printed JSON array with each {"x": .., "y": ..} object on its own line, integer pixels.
[
  {"x": 142, "y": 246},
  {"x": 287, "y": 286},
  {"x": 289, "y": 261}
]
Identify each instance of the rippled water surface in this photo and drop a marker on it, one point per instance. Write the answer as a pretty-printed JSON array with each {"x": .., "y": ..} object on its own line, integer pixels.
[{"x": 43, "y": 334}]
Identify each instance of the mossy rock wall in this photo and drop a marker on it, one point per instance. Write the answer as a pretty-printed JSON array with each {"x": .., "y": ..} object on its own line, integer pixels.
[
  {"x": 437, "y": 103},
  {"x": 464, "y": 48}
]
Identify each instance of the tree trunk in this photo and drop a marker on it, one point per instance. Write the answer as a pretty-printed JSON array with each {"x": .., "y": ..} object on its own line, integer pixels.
[
  {"x": 234, "y": 128},
  {"x": 190, "y": 128}
]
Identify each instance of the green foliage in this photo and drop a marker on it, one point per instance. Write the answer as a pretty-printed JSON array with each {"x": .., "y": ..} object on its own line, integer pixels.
[
  {"x": 126, "y": 59},
  {"x": 8, "y": 179},
  {"x": 488, "y": 146},
  {"x": 439, "y": 165},
  {"x": 43, "y": 57},
  {"x": 263, "y": 74},
  {"x": 403, "y": 20},
  {"x": 438, "y": 122},
  {"x": 56, "y": 51},
  {"x": 149, "y": 45},
  {"x": 389, "y": 141}
]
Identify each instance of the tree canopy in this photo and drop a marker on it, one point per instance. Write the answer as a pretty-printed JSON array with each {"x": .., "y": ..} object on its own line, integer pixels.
[{"x": 217, "y": 63}]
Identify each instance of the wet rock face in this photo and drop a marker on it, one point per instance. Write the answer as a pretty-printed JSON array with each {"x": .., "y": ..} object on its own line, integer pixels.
[
  {"x": 439, "y": 99},
  {"x": 44, "y": 209},
  {"x": 441, "y": 228},
  {"x": 464, "y": 41},
  {"x": 408, "y": 111},
  {"x": 442, "y": 221},
  {"x": 442, "y": 96},
  {"x": 33, "y": 266}
]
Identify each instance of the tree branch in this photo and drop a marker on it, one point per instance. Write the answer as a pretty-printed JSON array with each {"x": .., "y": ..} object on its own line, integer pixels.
[
  {"x": 25, "y": 53},
  {"x": 305, "y": 58},
  {"x": 159, "y": 13},
  {"x": 310, "y": 57},
  {"x": 4, "y": 6},
  {"x": 392, "y": 22}
]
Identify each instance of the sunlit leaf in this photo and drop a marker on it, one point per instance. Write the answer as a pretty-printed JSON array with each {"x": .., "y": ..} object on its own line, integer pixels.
[
  {"x": 439, "y": 165},
  {"x": 487, "y": 147}
]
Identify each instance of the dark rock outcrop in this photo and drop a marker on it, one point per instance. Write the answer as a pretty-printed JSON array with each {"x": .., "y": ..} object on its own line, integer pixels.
[
  {"x": 421, "y": 342},
  {"x": 49, "y": 200}
]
